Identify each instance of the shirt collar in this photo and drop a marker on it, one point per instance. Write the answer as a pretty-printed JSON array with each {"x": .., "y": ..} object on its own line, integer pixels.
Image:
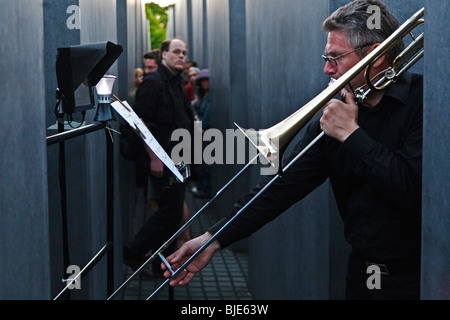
[
  {"x": 400, "y": 89},
  {"x": 166, "y": 72}
]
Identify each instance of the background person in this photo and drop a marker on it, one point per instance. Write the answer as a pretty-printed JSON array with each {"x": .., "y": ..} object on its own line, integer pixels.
[
  {"x": 163, "y": 105},
  {"x": 190, "y": 84},
  {"x": 152, "y": 60},
  {"x": 202, "y": 110}
]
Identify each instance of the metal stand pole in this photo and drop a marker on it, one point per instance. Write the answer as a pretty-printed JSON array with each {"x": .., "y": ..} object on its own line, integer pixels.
[
  {"x": 110, "y": 210},
  {"x": 60, "y": 138}
]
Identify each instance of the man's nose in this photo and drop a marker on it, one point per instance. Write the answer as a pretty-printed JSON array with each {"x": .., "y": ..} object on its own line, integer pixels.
[{"x": 329, "y": 69}]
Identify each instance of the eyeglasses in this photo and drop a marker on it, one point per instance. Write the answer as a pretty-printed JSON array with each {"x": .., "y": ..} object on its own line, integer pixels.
[
  {"x": 333, "y": 60},
  {"x": 179, "y": 51}
]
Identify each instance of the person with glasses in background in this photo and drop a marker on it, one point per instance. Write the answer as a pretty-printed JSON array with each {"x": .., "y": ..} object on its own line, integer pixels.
[{"x": 163, "y": 105}]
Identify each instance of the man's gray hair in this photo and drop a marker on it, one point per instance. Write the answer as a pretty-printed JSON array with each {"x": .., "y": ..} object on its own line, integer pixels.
[{"x": 353, "y": 17}]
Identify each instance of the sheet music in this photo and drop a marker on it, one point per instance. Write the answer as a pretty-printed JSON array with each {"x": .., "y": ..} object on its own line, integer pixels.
[{"x": 138, "y": 125}]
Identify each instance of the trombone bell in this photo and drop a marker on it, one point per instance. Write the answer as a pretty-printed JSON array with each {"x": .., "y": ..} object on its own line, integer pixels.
[
  {"x": 272, "y": 142},
  {"x": 267, "y": 147}
]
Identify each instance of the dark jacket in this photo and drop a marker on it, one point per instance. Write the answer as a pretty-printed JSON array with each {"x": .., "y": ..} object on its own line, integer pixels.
[
  {"x": 163, "y": 105},
  {"x": 375, "y": 175}
]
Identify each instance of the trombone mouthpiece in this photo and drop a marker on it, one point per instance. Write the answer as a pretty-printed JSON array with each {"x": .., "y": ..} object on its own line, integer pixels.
[{"x": 331, "y": 82}]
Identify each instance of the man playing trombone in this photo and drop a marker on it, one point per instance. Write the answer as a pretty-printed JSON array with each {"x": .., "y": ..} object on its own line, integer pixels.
[{"x": 372, "y": 154}]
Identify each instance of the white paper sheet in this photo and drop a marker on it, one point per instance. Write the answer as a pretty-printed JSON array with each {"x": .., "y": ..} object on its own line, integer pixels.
[{"x": 126, "y": 112}]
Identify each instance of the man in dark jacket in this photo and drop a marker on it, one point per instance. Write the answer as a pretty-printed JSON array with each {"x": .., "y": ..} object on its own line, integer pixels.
[
  {"x": 372, "y": 155},
  {"x": 163, "y": 105}
]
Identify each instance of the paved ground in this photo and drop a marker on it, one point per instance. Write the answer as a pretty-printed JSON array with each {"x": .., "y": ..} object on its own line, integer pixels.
[{"x": 225, "y": 278}]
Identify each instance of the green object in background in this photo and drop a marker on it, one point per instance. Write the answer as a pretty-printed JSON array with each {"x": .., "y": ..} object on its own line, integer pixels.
[{"x": 157, "y": 17}]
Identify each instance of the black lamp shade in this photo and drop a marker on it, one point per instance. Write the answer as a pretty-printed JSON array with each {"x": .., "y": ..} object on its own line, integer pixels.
[{"x": 79, "y": 68}]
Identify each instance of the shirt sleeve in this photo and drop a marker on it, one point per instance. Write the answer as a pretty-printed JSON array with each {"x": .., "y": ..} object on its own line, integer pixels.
[
  {"x": 395, "y": 173},
  {"x": 146, "y": 102},
  {"x": 299, "y": 180}
]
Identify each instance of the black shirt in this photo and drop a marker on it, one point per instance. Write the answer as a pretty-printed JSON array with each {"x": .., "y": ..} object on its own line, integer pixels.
[{"x": 375, "y": 175}]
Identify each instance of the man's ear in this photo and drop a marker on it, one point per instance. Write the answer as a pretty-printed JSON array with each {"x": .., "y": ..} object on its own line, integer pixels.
[{"x": 381, "y": 60}]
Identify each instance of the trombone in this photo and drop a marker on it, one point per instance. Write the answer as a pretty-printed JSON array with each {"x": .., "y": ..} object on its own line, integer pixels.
[{"x": 272, "y": 142}]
